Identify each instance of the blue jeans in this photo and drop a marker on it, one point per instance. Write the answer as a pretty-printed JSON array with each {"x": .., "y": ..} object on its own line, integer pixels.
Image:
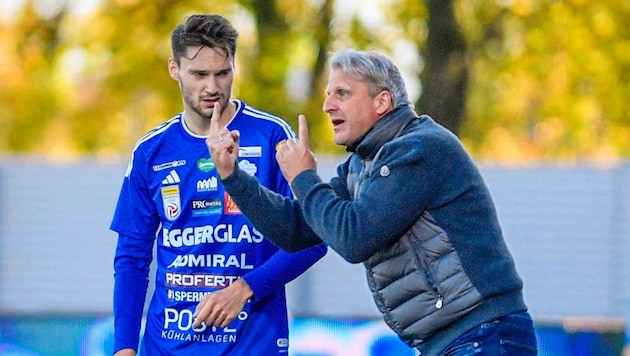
[{"x": 510, "y": 335}]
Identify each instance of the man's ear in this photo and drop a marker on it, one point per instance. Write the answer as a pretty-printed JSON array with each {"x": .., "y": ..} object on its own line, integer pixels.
[
  {"x": 173, "y": 69},
  {"x": 383, "y": 102}
]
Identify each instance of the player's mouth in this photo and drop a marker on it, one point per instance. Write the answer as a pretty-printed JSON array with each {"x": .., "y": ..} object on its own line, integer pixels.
[{"x": 210, "y": 101}]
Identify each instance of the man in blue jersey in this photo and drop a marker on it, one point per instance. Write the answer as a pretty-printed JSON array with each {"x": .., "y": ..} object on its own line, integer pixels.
[
  {"x": 219, "y": 284},
  {"x": 409, "y": 203}
]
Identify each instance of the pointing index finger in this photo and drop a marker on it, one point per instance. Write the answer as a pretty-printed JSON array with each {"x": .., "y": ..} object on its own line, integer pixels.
[
  {"x": 214, "y": 121},
  {"x": 302, "y": 130}
]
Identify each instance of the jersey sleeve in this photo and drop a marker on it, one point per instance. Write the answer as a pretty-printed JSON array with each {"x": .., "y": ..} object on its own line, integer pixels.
[
  {"x": 135, "y": 213},
  {"x": 136, "y": 221},
  {"x": 131, "y": 279},
  {"x": 282, "y": 268}
]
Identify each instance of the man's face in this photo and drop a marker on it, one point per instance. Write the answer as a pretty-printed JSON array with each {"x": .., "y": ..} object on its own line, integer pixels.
[
  {"x": 205, "y": 77},
  {"x": 350, "y": 107}
]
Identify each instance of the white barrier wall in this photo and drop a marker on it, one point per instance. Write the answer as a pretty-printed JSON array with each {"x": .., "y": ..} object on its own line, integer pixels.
[{"x": 568, "y": 228}]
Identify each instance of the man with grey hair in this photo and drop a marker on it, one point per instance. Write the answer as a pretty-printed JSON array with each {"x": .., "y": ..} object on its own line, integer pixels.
[{"x": 409, "y": 203}]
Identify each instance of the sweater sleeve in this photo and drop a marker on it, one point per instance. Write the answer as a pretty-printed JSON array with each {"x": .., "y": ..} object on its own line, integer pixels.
[
  {"x": 283, "y": 266},
  {"x": 131, "y": 278},
  {"x": 277, "y": 217},
  {"x": 397, "y": 190}
]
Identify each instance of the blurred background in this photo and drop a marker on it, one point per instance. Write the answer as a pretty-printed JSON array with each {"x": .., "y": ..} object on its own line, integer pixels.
[{"x": 538, "y": 92}]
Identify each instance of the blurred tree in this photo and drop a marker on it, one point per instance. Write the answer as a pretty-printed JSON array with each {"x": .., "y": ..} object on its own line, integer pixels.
[
  {"x": 445, "y": 75},
  {"x": 320, "y": 28},
  {"x": 550, "y": 80},
  {"x": 522, "y": 80},
  {"x": 29, "y": 100},
  {"x": 516, "y": 80},
  {"x": 286, "y": 61},
  {"x": 432, "y": 27},
  {"x": 125, "y": 83}
]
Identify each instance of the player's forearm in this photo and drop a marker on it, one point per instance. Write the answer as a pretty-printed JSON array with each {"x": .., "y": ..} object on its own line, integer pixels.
[
  {"x": 131, "y": 271},
  {"x": 282, "y": 268},
  {"x": 129, "y": 295}
]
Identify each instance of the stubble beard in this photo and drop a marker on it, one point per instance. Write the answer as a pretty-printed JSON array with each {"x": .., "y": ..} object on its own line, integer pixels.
[{"x": 196, "y": 107}]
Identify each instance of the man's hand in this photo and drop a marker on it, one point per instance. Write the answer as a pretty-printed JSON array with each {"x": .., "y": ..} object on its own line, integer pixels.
[
  {"x": 220, "y": 308},
  {"x": 125, "y": 352},
  {"x": 222, "y": 144},
  {"x": 295, "y": 156}
]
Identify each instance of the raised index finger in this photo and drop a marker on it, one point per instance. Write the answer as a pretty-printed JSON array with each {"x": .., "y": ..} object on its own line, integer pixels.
[
  {"x": 303, "y": 130},
  {"x": 214, "y": 121}
]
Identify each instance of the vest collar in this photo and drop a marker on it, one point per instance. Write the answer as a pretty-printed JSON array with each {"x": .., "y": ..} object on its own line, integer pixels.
[{"x": 383, "y": 131}]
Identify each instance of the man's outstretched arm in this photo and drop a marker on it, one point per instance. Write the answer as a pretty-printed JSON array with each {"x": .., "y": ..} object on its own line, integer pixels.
[{"x": 279, "y": 218}]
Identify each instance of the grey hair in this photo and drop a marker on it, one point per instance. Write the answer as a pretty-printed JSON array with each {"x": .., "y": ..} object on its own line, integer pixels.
[{"x": 374, "y": 68}]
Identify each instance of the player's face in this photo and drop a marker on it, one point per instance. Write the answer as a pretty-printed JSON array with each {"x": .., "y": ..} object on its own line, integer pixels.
[
  {"x": 350, "y": 106},
  {"x": 205, "y": 77}
]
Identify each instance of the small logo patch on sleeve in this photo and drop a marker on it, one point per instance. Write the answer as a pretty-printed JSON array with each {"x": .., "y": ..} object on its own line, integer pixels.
[{"x": 385, "y": 171}]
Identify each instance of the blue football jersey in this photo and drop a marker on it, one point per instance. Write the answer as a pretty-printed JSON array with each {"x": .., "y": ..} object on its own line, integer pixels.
[{"x": 172, "y": 194}]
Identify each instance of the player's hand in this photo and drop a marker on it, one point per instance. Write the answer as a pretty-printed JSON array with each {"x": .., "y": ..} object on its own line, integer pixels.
[
  {"x": 220, "y": 308},
  {"x": 125, "y": 352},
  {"x": 222, "y": 144},
  {"x": 295, "y": 156}
]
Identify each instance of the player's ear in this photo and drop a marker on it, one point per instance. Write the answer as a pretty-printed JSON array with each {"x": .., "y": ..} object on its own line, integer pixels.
[
  {"x": 173, "y": 69},
  {"x": 383, "y": 102}
]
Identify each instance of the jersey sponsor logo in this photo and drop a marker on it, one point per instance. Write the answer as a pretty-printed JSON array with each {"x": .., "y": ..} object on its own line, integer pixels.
[
  {"x": 249, "y": 167},
  {"x": 208, "y": 234},
  {"x": 252, "y": 151},
  {"x": 205, "y": 164},
  {"x": 206, "y": 207},
  {"x": 230, "y": 205},
  {"x": 168, "y": 165},
  {"x": 171, "y": 202},
  {"x": 183, "y": 319},
  {"x": 214, "y": 338},
  {"x": 198, "y": 280},
  {"x": 171, "y": 178},
  {"x": 207, "y": 185},
  {"x": 211, "y": 260},
  {"x": 186, "y": 296}
]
